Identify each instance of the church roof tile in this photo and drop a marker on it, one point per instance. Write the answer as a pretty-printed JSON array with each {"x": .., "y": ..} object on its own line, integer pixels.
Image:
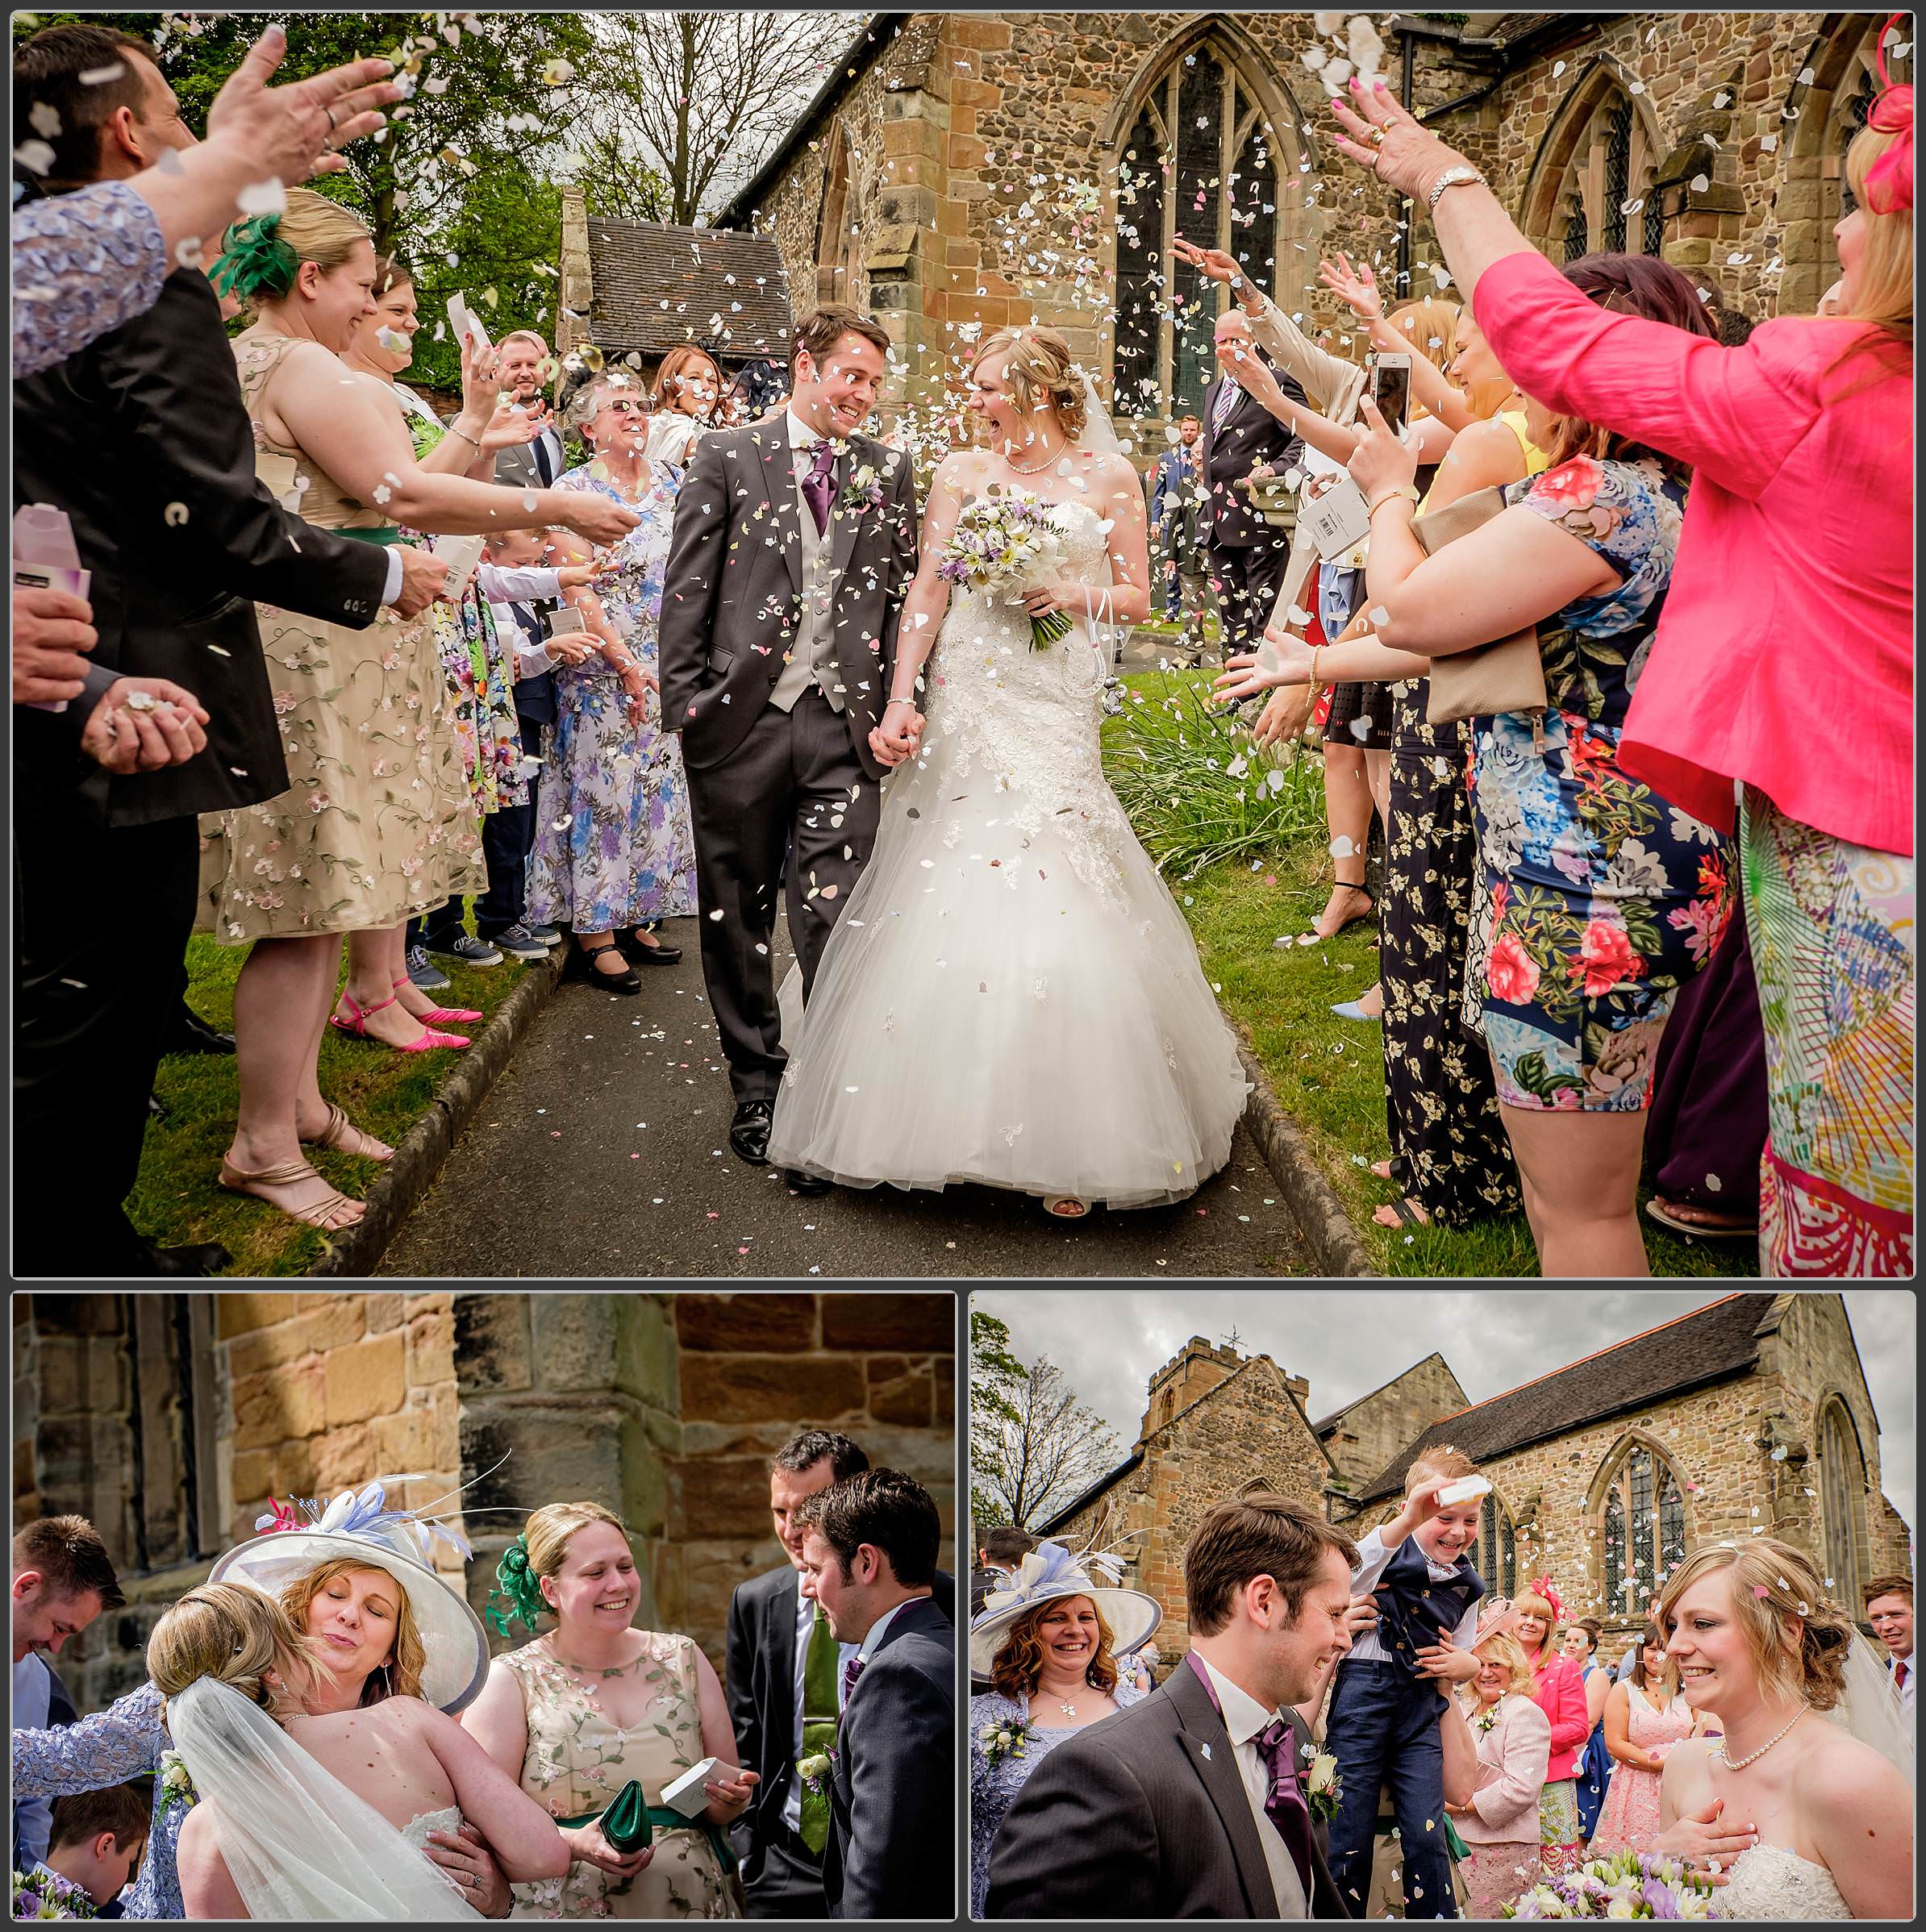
[
  {"x": 656, "y": 285},
  {"x": 1705, "y": 1345}
]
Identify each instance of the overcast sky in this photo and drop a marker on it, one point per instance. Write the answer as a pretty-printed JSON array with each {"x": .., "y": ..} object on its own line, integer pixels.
[{"x": 1111, "y": 1341}]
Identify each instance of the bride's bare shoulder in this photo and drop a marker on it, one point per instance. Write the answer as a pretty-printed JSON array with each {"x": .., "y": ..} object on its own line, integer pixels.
[{"x": 1839, "y": 1772}]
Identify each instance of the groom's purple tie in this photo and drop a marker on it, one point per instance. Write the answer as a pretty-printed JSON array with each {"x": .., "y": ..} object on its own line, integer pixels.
[
  {"x": 853, "y": 1668},
  {"x": 1284, "y": 1803},
  {"x": 816, "y": 484}
]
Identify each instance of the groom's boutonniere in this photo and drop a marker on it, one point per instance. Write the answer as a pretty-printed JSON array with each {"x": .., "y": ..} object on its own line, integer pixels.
[
  {"x": 177, "y": 1787},
  {"x": 1004, "y": 1738},
  {"x": 863, "y": 491},
  {"x": 814, "y": 1769},
  {"x": 1323, "y": 1788}
]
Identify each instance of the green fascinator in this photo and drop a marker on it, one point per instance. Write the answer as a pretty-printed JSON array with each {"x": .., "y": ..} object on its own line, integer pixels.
[
  {"x": 256, "y": 261},
  {"x": 518, "y": 1592}
]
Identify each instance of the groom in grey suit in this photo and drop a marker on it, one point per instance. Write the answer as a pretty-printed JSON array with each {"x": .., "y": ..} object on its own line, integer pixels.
[
  {"x": 794, "y": 546},
  {"x": 1192, "y": 1804}
]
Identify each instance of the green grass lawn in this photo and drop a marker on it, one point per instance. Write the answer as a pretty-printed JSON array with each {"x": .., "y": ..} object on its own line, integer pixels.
[
  {"x": 178, "y": 1198},
  {"x": 1327, "y": 1072}
]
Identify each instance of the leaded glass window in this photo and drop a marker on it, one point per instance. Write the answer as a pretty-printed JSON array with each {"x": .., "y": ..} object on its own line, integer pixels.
[
  {"x": 1578, "y": 232},
  {"x": 1842, "y": 1495},
  {"x": 1618, "y": 177},
  {"x": 1615, "y": 1553},
  {"x": 1644, "y": 1529},
  {"x": 1200, "y": 161},
  {"x": 1498, "y": 1548}
]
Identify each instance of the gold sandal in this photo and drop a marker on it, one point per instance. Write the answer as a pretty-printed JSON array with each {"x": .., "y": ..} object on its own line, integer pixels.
[
  {"x": 285, "y": 1173},
  {"x": 331, "y": 1136}
]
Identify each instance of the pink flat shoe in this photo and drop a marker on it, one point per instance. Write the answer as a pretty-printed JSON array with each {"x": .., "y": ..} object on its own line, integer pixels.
[
  {"x": 356, "y": 1026},
  {"x": 444, "y": 1016}
]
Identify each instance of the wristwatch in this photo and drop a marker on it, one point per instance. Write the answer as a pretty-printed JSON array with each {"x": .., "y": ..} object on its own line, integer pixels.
[{"x": 1452, "y": 178}]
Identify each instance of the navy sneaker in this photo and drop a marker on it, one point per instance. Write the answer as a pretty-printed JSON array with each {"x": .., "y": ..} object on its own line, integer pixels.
[
  {"x": 519, "y": 942},
  {"x": 424, "y": 972},
  {"x": 468, "y": 950},
  {"x": 549, "y": 935}
]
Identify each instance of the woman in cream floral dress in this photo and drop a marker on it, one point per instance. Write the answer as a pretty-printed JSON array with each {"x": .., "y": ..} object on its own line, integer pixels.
[{"x": 579, "y": 1713}]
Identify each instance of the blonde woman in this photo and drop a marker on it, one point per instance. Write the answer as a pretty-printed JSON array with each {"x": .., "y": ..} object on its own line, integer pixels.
[
  {"x": 381, "y": 1624},
  {"x": 1559, "y": 1692},
  {"x": 594, "y": 1703},
  {"x": 1806, "y": 1818},
  {"x": 1012, "y": 998},
  {"x": 379, "y": 820},
  {"x": 1500, "y": 1820},
  {"x": 307, "y": 1814}
]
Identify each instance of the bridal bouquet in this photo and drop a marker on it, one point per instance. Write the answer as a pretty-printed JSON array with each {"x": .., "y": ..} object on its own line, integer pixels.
[
  {"x": 1629, "y": 1885},
  {"x": 45, "y": 1894},
  {"x": 1007, "y": 539}
]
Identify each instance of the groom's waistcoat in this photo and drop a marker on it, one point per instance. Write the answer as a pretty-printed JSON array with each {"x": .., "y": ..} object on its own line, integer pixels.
[{"x": 812, "y": 654}]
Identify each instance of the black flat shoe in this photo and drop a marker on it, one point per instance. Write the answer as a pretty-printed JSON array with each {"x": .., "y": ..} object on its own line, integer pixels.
[
  {"x": 749, "y": 1131},
  {"x": 807, "y": 1184},
  {"x": 201, "y": 1257},
  {"x": 582, "y": 966},
  {"x": 191, "y": 1033},
  {"x": 638, "y": 952}
]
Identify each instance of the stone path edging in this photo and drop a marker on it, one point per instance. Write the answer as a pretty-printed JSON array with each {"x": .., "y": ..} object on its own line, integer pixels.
[
  {"x": 1327, "y": 1229},
  {"x": 408, "y": 1176}
]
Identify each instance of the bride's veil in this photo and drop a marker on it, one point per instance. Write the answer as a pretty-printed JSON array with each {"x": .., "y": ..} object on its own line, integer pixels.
[
  {"x": 1871, "y": 1709},
  {"x": 297, "y": 1842}
]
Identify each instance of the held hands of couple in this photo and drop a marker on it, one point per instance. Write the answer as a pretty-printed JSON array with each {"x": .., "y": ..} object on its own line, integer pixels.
[{"x": 897, "y": 733}]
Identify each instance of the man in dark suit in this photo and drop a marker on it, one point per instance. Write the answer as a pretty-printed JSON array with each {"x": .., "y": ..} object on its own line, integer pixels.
[
  {"x": 1247, "y": 555},
  {"x": 1174, "y": 498},
  {"x": 780, "y": 1653},
  {"x": 143, "y": 439},
  {"x": 869, "y": 1559},
  {"x": 1190, "y": 1804},
  {"x": 794, "y": 547}
]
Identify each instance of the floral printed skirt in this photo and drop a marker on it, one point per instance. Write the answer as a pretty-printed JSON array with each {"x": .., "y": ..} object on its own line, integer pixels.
[
  {"x": 615, "y": 844},
  {"x": 1832, "y": 945},
  {"x": 1561, "y": 1843},
  {"x": 378, "y": 823},
  {"x": 1449, "y": 1146},
  {"x": 1601, "y": 901},
  {"x": 479, "y": 666}
]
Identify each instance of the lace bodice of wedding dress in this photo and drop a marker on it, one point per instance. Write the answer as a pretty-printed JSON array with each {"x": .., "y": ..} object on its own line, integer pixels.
[
  {"x": 417, "y": 1828},
  {"x": 1769, "y": 1882}
]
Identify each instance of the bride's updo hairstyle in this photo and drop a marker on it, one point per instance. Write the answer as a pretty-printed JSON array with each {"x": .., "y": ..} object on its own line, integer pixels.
[
  {"x": 1798, "y": 1637},
  {"x": 235, "y": 1635},
  {"x": 1039, "y": 373},
  {"x": 262, "y": 256}
]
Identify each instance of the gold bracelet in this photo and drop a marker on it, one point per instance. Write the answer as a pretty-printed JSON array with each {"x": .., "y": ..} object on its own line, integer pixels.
[
  {"x": 1409, "y": 491},
  {"x": 1315, "y": 650},
  {"x": 466, "y": 437}
]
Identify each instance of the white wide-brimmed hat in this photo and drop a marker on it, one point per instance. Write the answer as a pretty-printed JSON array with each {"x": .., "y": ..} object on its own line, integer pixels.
[
  {"x": 360, "y": 1528},
  {"x": 1051, "y": 1571}
]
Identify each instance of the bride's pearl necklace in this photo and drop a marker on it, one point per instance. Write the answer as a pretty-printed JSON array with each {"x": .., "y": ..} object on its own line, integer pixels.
[
  {"x": 1031, "y": 469},
  {"x": 1731, "y": 1763}
]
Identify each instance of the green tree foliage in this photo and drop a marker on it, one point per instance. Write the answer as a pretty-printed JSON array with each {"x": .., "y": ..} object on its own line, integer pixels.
[
  {"x": 995, "y": 1376},
  {"x": 467, "y": 166}
]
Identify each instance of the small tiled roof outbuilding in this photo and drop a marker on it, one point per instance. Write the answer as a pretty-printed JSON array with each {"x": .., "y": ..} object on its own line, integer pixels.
[{"x": 655, "y": 286}]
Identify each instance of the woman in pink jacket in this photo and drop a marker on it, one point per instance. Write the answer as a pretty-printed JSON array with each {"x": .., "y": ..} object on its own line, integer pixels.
[
  {"x": 1500, "y": 1821},
  {"x": 1790, "y": 604},
  {"x": 1558, "y": 1690}
]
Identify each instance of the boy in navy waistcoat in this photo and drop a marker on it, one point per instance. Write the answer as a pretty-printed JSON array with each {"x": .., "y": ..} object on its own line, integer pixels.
[{"x": 1382, "y": 1727}]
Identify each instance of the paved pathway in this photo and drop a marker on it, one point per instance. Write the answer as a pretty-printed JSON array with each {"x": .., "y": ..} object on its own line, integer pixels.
[{"x": 604, "y": 1150}]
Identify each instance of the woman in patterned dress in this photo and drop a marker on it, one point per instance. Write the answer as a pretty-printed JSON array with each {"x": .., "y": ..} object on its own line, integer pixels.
[
  {"x": 480, "y": 675},
  {"x": 618, "y": 851},
  {"x": 581, "y": 1711},
  {"x": 378, "y": 822},
  {"x": 1644, "y": 1717}
]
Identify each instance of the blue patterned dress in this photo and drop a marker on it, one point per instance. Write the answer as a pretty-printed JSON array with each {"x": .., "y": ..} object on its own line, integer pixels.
[
  {"x": 992, "y": 1787},
  {"x": 615, "y": 845},
  {"x": 1603, "y": 897},
  {"x": 114, "y": 1745}
]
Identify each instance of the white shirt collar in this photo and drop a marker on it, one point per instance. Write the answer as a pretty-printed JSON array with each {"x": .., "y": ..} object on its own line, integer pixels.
[
  {"x": 868, "y": 1648},
  {"x": 800, "y": 435},
  {"x": 1243, "y": 1716}
]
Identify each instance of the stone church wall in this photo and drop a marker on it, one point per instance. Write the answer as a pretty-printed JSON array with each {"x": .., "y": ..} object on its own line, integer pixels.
[{"x": 1371, "y": 1434}]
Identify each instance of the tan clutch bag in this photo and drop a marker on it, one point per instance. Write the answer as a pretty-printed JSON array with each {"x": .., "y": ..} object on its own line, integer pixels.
[{"x": 1505, "y": 674}]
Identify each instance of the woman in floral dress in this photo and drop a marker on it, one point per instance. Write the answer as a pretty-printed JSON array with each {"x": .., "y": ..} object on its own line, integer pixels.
[
  {"x": 617, "y": 849},
  {"x": 581, "y": 1711},
  {"x": 1598, "y": 898}
]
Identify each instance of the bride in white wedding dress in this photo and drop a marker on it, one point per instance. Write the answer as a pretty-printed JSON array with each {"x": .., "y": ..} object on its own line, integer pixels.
[
  {"x": 1804, "y": 1805},
  {"x": 1012, "y": 997},
  {"x": 299, "y": 1817}
]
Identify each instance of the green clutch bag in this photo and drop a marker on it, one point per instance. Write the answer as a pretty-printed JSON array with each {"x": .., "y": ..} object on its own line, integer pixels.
[{"x": 626, "y": 1823}]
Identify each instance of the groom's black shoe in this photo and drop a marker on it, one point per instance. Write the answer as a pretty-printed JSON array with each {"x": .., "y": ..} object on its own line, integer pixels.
[
  {"x": 749, "y": 1132},
  {"x": 807, "y": 1184}
]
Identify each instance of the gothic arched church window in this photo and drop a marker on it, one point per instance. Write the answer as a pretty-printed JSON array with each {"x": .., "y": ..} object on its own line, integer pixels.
[
  {"x": 1497, "y": 1548},
  {"x": 1841, "y": 1502},
  {"x": 1644, "y": 1529},
  {"x": 1199, "y": 161},
  {"x": 1592, "y": 190}
]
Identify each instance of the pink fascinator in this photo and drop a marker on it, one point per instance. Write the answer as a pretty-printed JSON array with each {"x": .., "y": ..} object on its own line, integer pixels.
[
  {"x": 1889, "y": 181},
  {"x": 1497, "y": 1619}
]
